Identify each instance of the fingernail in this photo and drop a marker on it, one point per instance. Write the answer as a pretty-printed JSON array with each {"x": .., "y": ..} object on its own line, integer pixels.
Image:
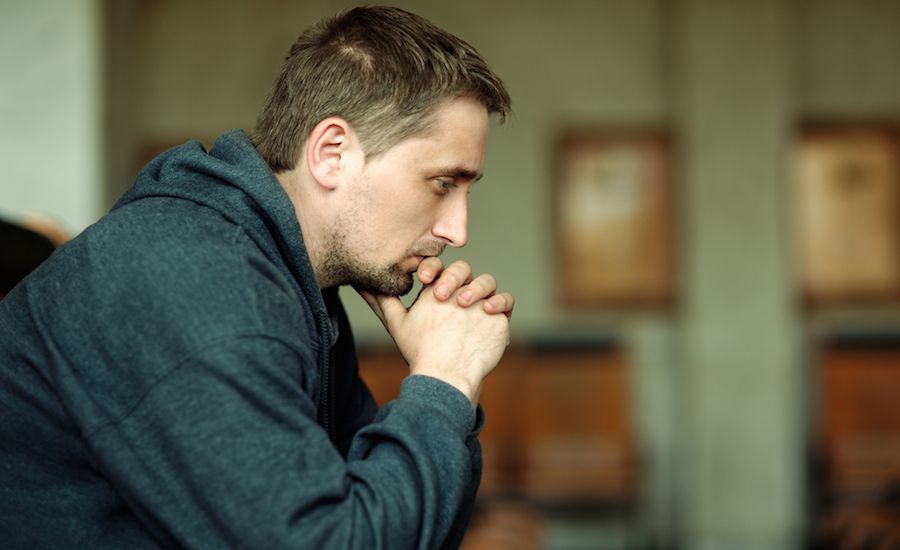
[
  {"x": 465, "y": 296},
  {"x": 441, "y": 292},
  {"x": 426, "y": 273}
]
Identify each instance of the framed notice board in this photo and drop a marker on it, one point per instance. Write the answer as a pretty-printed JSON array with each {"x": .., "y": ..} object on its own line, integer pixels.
[
  {"x": 846, "y": 211},
  {"x": 613, "y": 217}
]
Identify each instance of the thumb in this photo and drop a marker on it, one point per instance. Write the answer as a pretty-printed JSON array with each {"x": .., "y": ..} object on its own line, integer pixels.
[{"x": 392, "y": 310}]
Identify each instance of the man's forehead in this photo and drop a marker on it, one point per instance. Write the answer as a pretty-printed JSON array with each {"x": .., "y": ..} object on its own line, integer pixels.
[{"x": 453, "y": 144}]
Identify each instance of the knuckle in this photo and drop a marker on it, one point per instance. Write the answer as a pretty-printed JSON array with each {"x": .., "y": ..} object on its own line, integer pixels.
[
  {"x": 447, "y": 275},
  {"x": 433, "y": 263},
  {"x": 462, "y": 265},
  {"x": 501, "y": 321}
]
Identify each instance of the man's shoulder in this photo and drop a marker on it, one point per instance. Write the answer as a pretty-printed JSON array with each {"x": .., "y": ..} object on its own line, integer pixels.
[{"x": 174, "y": 265}]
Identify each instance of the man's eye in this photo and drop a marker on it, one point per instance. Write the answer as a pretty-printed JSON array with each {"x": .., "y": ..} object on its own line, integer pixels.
[{"x": 444, "y": 185}]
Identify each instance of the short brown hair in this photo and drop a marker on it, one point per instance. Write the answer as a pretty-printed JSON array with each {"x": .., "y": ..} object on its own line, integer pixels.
[{"x": 382, "y": 69}]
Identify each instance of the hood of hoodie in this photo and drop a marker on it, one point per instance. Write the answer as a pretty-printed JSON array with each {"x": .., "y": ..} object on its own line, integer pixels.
[{"x": 234, "y": 180}]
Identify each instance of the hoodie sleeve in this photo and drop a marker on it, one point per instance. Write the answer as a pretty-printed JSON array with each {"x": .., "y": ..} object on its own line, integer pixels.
[
  {"x": 356, "y": 409},
  {"x": 224, "y": 452},
  {"x": 464, "y": 516}
]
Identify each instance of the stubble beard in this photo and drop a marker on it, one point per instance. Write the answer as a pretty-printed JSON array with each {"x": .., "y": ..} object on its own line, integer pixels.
[
  {"x": 390, "y": 280},
  {"x": 341, "y": 266}
]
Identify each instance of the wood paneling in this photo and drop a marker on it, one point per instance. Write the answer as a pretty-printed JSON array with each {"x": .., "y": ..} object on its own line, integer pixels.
[
  {"x": 558, "y": 424},
  {"x": 859, "y": 419}
]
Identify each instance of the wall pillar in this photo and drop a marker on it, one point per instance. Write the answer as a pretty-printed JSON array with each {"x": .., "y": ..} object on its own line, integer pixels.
[{"x": 739, "y": 341}]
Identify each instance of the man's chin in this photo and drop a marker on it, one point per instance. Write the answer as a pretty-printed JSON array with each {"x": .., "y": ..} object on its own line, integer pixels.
[{"x": 395, "y": 285}]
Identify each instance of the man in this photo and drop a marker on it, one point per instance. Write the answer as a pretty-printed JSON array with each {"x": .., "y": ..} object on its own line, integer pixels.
[{"x": 183, "y": 374}]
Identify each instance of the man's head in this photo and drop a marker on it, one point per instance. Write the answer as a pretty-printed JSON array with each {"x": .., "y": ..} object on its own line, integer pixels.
[
  {"x": 402, "y": 206},
  {"x": 376, "y": 128},
  {"x": 382, "y": 69}
]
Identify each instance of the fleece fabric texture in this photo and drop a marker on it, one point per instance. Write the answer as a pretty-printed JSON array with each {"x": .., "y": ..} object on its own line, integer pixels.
[{"x": 168, "y": 379}]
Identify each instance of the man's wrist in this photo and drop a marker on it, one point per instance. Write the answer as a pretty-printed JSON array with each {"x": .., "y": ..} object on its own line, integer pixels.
[
  {"x": 435, "y": 393},
  {"x": 471, "y": 391}
]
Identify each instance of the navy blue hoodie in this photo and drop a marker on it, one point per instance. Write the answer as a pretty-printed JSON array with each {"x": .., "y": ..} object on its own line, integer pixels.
[{"x": 171, "y": 378}]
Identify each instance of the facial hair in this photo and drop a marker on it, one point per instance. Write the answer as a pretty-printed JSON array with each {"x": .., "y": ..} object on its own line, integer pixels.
[
  {"x": 343, "y": 261},
  {"x": 342, "y": 266}
]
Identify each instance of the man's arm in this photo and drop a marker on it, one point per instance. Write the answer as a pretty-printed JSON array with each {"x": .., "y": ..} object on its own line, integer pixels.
[
  {"x": 455, "y": 285},
  {"x": 225, "y": 452}
]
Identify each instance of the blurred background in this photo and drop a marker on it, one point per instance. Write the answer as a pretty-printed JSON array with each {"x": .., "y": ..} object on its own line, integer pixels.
[{"x": 696, "y": 204}]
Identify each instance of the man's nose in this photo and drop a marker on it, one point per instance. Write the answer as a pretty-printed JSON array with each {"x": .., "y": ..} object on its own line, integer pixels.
[{"x": 451, "y": 225}]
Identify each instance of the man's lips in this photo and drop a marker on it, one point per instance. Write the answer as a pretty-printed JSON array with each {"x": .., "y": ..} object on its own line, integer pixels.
[
  {"x": 422, "y": 254},
  {"x": 419, "y": 258}
]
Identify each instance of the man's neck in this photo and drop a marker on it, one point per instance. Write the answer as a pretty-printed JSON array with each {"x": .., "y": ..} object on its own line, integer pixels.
[{"x": 306, "y": 217}]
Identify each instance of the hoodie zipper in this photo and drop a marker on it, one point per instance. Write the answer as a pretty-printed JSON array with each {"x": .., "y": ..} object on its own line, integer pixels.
[{"x": 325, "y": 376}]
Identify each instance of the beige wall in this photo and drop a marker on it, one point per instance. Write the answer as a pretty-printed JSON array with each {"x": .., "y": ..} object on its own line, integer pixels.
[{"x": 50, "y": 105}]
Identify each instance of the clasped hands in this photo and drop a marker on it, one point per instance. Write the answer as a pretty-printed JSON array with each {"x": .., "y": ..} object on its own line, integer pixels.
[{"x": 457, "y": 328}]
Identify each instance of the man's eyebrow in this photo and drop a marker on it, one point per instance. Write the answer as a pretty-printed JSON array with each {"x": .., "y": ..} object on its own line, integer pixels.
[{"x": 461, "y": 173}]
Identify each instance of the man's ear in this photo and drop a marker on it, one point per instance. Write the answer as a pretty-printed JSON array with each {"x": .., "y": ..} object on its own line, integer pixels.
[{"x": 331, "y": 152}]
